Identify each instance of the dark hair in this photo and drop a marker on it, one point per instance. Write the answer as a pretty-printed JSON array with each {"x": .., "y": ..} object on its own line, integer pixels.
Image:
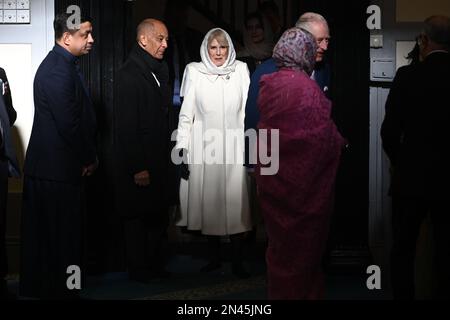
[
  {"x": 60, "y": 24},
  {"x": 254, "y": 15}
]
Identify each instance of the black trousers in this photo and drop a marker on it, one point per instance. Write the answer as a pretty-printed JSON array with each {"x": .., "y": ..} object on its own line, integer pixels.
[
  {"x": 51, "y": 237},
  {"x": 146, "y": 246},
  {"x": 3, "y": 204},
  {"x": 407, "y": 217}
]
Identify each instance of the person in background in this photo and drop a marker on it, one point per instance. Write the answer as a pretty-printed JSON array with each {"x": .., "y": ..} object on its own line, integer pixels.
[
  {"x": 182, "y": 49},
  {"x": 297, "y": 202},
  {"x": 5, "y": 90},
  {"x": 414, "y": 135},
  {"x": 271, "y": 12},
  {"x": 213, "y": 192},
  {"x": 8, "y": 168},
  {"x": 397, "y": 98},
  {"x": 61, "y": 153},
  {"x": 258, "y": 41}
]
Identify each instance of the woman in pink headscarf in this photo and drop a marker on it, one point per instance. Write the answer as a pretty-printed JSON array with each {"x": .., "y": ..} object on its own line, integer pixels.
[{"x": 297, "y": 202}]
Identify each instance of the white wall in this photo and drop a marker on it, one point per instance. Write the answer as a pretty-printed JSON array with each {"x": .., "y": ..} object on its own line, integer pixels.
[{"x": 22, "y": 49}]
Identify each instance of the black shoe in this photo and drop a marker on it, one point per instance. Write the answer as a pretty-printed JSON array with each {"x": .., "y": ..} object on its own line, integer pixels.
[
  {"x": 240, "y": 272},
  {"x": 211, "y": 267}
]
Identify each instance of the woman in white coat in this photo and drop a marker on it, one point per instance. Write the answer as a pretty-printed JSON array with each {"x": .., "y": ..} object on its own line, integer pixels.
[{"x": 213, "y": 191}]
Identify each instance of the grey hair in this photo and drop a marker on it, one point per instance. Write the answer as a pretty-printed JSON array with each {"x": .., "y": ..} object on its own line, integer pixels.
[
  {"x": 437, "y": 28},
  {"x": 308, "y": 18},
  {"x": 220, "y": 36}
]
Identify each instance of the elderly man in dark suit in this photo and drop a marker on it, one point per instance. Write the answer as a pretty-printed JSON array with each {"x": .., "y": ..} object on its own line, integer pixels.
[
  {"x": 60, "y": 153},
  {"x": 142, "y": 152},
  {"x": 415, "y": 135},
  {"x": 8, "y": 168},
  {"x": 317, "y": 25}
]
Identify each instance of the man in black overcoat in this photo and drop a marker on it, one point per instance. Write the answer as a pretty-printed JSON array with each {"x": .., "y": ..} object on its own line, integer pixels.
[
  {"x": 415, "y": 135},
  {"x": 142, "y": 151}
]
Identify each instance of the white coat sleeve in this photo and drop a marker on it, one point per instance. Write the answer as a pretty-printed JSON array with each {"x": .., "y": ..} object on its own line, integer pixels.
[{"x": 187, "y": 112}]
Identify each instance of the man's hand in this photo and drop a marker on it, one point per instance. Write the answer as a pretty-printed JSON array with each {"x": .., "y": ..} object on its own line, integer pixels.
[
  {"x": 90, "y": 169},
  {"x": 142, "y": 179}
]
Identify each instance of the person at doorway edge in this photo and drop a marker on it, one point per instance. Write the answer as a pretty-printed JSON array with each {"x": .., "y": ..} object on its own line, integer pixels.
[
  {"x": 414, "y": 134},
  {"x": 8, "y": 168}
]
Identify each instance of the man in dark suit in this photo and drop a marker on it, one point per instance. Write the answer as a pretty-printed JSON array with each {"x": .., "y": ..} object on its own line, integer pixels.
[
  {"x": 414, "y": 134},
  {"x": 8, "y": 168},
  {"x": 142, "y": 151},
  {"x": 60, "y": 153},
  {"x": 318, "y": 27}
]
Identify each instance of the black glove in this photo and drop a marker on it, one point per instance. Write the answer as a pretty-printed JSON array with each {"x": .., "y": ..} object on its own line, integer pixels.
[{"x": 184, "y": 168}]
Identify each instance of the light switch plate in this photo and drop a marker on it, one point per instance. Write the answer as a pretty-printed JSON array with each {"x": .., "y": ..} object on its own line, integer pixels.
[
  {"x": 23, "y": 4},
  {"x": 376, "y": 41},
  {"x": 382, "y": 69},
  {"x": 10, "y": 4},
  {"x": 9, "y": 16},
  {"x": 23, "y": 16}
]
